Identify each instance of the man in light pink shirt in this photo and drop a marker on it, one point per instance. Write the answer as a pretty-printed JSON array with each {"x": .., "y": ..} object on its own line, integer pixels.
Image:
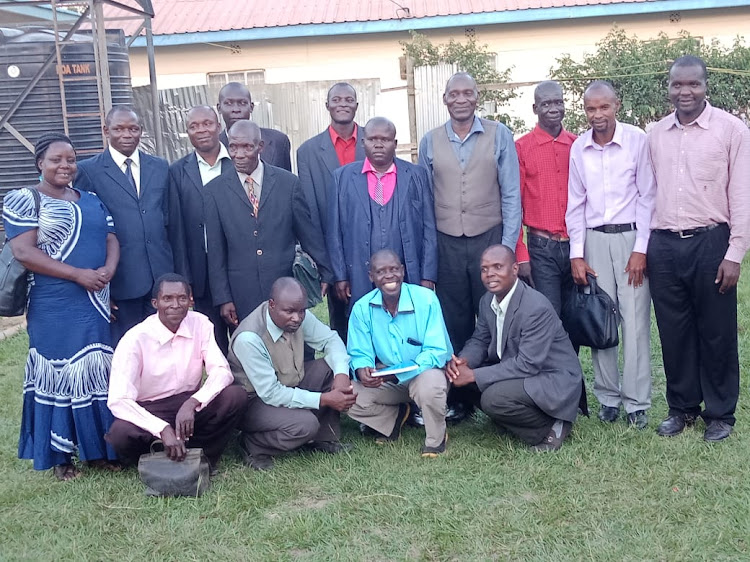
[
  {"x": 610, "y": 198},
  {"x": 155, "y": 384},
  {"x": 701, "y": 231}
]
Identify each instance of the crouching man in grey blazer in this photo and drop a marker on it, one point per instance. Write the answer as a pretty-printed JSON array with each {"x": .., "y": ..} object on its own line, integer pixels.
[{"x": 520, "y": 358}]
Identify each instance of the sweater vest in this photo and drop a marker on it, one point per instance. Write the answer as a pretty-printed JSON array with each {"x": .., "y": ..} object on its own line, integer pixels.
[
  {"x": 467, "y": 202},
  {"x": 288, "y": 356}
]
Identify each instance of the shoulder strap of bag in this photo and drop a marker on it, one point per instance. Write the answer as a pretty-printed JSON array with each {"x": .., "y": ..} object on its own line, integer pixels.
[{"x": 37, "y": 200}]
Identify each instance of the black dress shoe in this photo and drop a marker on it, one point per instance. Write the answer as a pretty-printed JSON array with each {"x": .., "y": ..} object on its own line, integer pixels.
[
  {"x": 717, "y": 430},
  {"x": 673, "y": 425},
  {"x": 458, "y": 413},
  {"x": 609, "y": 414}
]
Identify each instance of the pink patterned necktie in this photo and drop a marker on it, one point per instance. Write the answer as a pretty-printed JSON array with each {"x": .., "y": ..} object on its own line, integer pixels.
[
  {"x": 250, "y": 189},
  {"x": 379, "y": 189}
]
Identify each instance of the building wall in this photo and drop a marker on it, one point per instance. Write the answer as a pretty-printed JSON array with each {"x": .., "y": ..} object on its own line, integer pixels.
[{"x": 530, "y": 48}]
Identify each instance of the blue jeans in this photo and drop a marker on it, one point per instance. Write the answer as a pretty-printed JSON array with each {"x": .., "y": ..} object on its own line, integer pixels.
[{"x": 550, "y": 268}]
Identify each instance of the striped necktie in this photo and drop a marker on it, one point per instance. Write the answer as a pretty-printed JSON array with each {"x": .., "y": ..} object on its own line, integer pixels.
[{"x": 250, "y": 189}]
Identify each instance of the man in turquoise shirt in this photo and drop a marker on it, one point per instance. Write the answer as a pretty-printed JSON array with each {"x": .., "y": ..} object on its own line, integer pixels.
[{"x": 398, "y": 346}]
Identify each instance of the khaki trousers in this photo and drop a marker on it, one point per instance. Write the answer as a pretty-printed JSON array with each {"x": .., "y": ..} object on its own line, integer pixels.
[
  {"x": 378, "y": 407},
  {"x": 608, "y": 255}
]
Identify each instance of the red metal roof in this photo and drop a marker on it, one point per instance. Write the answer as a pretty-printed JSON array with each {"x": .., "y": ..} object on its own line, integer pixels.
[{"x": 190, "y": 16}]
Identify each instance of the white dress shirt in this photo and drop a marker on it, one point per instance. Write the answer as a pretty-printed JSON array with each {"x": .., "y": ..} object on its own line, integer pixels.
[
  {"x": 500, "y": 309},
  {"x": 135, "y": 166}
]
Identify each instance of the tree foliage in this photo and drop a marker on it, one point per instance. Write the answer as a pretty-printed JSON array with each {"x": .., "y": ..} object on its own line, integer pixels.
[
  {"x": 638, "y": 69},
  {"x": 473, "y": 58}
]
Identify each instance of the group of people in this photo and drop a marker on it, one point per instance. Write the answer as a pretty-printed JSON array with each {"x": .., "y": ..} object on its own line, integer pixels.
[{"x": 438, "y": 302}]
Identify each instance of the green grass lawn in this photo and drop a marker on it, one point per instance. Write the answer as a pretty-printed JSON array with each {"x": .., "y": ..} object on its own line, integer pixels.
[{"x": 611, "y": 493}]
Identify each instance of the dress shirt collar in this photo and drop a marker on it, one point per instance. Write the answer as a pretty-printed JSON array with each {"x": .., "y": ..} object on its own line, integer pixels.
[
  {"x": 223, "y": 153},
  {"x": 405, "y": 303},
  {"x": 476, "y": 127},
  {"x": 162, "y": 334},
  {"x": 367, "y": 167},
  {"x": 543, "y": 137},
  {"x": 274, "y": 331},
  {"x": 120, "y": 158},
  {"x": 335, "y": 136},
  {"x": 616, "y": 139},
  {"x": 257, "y": 175},
  {"x": 702, "y": 120},
  {"x": 502, "y": 306}
]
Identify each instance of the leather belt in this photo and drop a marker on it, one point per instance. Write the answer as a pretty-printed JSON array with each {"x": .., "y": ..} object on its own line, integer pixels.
[
  {"x": 546, "y": 234},
  {"x": 690, "y": 232},
  {"x": 615, "y": 228}
]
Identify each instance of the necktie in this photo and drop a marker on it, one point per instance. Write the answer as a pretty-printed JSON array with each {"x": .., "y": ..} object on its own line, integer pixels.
[
  {"x": 129, "y": 174},
  {"x": 250, "y": 188},
  {"x": 379, "y": 188}
]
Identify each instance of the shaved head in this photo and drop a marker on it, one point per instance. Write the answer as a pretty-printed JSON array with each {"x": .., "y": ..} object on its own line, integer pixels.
[
  {"x": 601, "y": 86},
  {"x": 287, "y": 286},
  {"x": 380, "y": 122},
  {"x": 288, "y": 304},
  {"x": 546, "y": 87},
  {"x": 500, "y": 250}
]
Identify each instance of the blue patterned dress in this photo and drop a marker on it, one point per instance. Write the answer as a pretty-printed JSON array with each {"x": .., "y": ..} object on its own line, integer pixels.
[{"x": 67, "y": 371}]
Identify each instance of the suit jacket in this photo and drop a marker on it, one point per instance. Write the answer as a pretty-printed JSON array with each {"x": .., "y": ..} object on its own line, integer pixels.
[
  {"x": 247, "y": 254},
  {"x": 535, "y": 348},
  {"x": 140, "y": 221},
  {"x": 349, "y": 224},
  {"x": 187, "y": 219},
  {"x": 316, "y": 162},
  {"x": 277, "y": 150}
]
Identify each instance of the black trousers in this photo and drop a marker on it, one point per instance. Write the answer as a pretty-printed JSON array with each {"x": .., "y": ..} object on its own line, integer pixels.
[
  {"x": 697, "y": 324},
  {"x": 338, "y": 317},
  {"x": 129, "y": 313},
  {"x": 508, "y": 405},
  {"x": 205, "y": 305},
  {"x": 459, "y": 289},
  {"x": 550, "y": 269},
  {"x": 213, "y": 424}
]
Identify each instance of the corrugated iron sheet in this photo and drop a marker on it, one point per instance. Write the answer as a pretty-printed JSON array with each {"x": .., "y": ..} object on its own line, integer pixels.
[
  {"x": 190, "y": 16},
  {"x": 295, "y": 108}
]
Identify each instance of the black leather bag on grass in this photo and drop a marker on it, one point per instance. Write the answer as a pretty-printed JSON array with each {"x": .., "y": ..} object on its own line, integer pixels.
[
  {"x": 591, "y": 319},
  {"x": 165, "y": 477},
  {"x": 14, "y": 285}
]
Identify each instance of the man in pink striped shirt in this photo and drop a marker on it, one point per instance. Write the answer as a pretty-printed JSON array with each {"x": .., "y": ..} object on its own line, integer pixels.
[
  {"x": 700, "y": 233},
  {"x": 610, "y": 198},
  {"x": 155, "y": 384}
]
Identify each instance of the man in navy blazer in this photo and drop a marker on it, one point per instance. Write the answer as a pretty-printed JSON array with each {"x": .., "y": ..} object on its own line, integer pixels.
[
  {"x": 381, "y": 202},
  {"x": 236, "y": 104},
  {"x": 255, "y": 214},
  {"x": 133, "y": 185},
  {"x": 187, "y": 231},
  {"x": 318, "y": 158}
]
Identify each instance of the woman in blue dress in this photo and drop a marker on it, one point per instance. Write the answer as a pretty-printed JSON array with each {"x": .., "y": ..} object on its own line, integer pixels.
[{"x": 71, "y": 250}]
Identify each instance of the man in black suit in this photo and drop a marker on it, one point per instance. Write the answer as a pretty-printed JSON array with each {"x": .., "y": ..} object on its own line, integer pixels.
[
  {"x": 520, "y": 358},
  {"x": 254, "y": 216},
  {"x": 236, "y": 104},
  {"x": 133, "y": 185},
  {"x": 317, "y": 159},
  {"x": 187, "y": 231}
]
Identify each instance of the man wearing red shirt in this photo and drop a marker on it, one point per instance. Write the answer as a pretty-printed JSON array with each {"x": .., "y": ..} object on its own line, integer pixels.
[
  {"x": 318, "y": 157},
  {"x": 544, "y": 156}
]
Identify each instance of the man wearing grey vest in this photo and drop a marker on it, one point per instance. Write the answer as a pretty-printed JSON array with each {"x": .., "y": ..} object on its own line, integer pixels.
[
  {"x": 474, "y": 171},
  {"x": 292, "y": 402}
]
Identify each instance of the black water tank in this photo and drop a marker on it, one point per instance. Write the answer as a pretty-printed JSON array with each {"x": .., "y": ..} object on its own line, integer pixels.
[{"x": 22, "y": 53}]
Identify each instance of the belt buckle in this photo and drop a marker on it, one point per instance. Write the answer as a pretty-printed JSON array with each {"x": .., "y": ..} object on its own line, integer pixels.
[{"x": 683, "y": 236}]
